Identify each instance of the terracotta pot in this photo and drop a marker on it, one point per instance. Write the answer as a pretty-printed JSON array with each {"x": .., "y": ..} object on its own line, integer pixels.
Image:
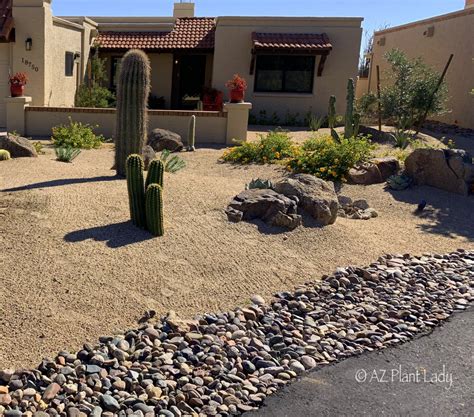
[
  {"x": 17, "y": 90},
  {"x": 237, "y": 95}
]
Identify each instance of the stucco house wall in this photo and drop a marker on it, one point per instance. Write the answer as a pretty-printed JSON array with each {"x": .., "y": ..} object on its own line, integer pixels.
[
  {"x": 344, "y": 34},
  {"x": 434, "y": 40}
]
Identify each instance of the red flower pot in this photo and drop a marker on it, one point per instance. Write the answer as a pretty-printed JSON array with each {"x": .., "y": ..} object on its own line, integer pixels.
[
  {"x": 237, "y": 95},
  {"x": 17, "y": 90}
]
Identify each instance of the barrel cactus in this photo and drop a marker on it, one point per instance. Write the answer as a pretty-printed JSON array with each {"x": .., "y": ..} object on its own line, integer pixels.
[
  {"x": 154, "y": 210},
  {"x": 192, "y": 133},
  {"x": 155, "y": 173},
  {"x": 4, "y": 155},
  {"x": 136, "y": 189},
  {"x": 132, "y": 114}
]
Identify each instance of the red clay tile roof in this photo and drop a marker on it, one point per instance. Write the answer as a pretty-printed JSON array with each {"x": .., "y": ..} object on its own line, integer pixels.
[
  {"x": 291, "y": 41},
  {"x": 188, "y": 33},
  {"x": 6, "y": 19}
]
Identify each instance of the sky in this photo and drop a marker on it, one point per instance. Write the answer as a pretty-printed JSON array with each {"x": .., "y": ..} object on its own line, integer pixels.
[{"x": 377, "y": 13}]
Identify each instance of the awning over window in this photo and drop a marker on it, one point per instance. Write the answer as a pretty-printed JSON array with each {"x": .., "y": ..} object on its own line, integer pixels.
[
  {"x": 316, "y": 43},
  {"x": 291, "y": 43}
]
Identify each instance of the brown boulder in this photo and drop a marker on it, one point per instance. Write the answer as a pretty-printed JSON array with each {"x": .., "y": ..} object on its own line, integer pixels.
[
  {"x": 17, "y": 146},
  {"x": 387, "y": 166},
  {"x": 316, "y": 196},
  {"x": 161, "y": 139},
  {"x": 448, "y": 169},
  {"x": 365, "y": 174}
]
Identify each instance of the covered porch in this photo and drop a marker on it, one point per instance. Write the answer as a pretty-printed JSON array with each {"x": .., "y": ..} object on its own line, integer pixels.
[{"x": 181, "y": 60}]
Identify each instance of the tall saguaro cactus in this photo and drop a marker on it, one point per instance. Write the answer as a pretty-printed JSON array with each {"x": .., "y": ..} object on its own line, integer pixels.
[
  {"x": 349, "y": 125},
  {"x": 133, "y": 90}
]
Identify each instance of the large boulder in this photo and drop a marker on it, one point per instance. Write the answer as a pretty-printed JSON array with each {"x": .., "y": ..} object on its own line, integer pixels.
[
  {"x": 387, "y": 166},
  {"x": 365, "y": 174},
  {"x": 316, "y": 197},
  {"x": 273, "y": 208},
  {"x": 148, "y": 156},
  {"x": 18, "y": 147},
  {"x": 449, "y": 169},
  {"x": 161, "y": 139}
]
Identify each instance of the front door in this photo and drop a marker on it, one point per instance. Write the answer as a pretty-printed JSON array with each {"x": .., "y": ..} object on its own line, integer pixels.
[{"x": 189, "y": 75}]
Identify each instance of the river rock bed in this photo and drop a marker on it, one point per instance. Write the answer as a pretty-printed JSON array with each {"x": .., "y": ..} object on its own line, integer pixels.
[{"x": 227, "y": 364}]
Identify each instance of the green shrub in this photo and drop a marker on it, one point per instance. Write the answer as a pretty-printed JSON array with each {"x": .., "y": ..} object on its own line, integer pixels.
[
  {"x": 66, "y": 154},
  {"x": 315, "y": 122},
  {"x": 38, "y": 147},
  {"x": 274, "y": 146},
  {"x": 173, "y": 164},
  {"x": 76, "y": 135},
  {"x": 95, "y": 96},
  {"x": 328, "y": 159}
]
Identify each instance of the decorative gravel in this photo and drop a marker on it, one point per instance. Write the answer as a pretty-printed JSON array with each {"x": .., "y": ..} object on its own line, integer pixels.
[{"x": 227, "y": 364}]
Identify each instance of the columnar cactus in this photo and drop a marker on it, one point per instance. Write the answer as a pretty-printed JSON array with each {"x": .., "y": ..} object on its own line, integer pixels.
[
  {"x": 136, "y": 190},
  {"x": 4, "y": 155},
  {"x": 132, "y": 114},
  {"x": 154, "y": 210},
  {"x": 155, "y": 175},
  {"x": 332, "y": 118},
  {"x": 349, "y": 119},
  {"x": 192, "y": 133}
]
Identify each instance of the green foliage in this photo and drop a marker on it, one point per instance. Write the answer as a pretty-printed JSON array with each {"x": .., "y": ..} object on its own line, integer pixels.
[
  {"x": 66, "y": 154},
  {"x": 192, "y": 134},
  {"x": 399, "y": 182},
  {"x": 132, "y": 114},
  {"x": 329, "y": 159},
  {"x": 349, "y": 119},
  {"x": 155, "y": 173},
  {"x": 258, "y": 183},
  {"x": 315, "y": 122},
  {"x": 275, "y": 145},
  {"x": 401, "y": 138},
  {"x": 172, "y": 164},
  {"x": 154, "y": 210},
  {"x": 4, "y": 155},
  {"x": 94, "y": 96},
  {"x": 407, "y": 95},
  {"x": 38, "y": 148},
  {"x": 76, "y": 135},
  {"x": 136, "y": 190}
]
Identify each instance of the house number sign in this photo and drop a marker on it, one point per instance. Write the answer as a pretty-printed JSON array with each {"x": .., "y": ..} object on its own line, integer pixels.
[{"x": 30, "y": 64}]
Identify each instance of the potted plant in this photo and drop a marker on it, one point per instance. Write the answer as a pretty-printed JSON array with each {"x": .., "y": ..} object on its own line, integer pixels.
[
  {"x": 212, "y": 99},
  {"x": 237, "y": 86},
  {"x": 17, "y": 84}
]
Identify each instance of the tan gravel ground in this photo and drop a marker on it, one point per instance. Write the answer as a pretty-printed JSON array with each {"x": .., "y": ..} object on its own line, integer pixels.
[{"x": 73, "y": 268}]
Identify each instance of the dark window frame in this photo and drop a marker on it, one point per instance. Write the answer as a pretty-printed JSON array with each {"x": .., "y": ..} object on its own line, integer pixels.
[
  {"x": 283, "y": 89},
  {"x": 69, "y": 64}
]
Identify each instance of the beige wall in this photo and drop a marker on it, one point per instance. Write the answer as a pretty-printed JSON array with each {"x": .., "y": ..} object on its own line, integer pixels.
[
  {"x": 344, "y": 33},
  {"x": 210, "y": 127},
  {"x": 453, "y": 34},
  {"x": 362, "y": 87}
]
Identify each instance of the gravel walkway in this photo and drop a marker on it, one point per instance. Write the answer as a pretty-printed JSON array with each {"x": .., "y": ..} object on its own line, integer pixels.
[{"x": 227, "y": 364}]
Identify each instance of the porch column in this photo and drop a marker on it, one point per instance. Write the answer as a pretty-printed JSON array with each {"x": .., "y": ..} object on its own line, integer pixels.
[
  {"x": 16, "y": 113},
  {"x": 237, "y": 121}
]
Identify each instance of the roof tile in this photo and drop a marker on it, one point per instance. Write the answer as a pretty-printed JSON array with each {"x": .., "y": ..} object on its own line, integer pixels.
[{"x": 291, "y": 41}]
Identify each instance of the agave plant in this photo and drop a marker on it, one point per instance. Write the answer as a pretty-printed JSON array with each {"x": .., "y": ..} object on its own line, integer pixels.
[
  {"x": 258, "y": 183},
  {"x": 172, "y": 164},
  {"x": 399, "y": 182},
  {"x": 66, "y": 154}
]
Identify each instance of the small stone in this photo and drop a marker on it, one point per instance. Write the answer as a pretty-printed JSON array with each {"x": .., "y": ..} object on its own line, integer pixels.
[
  {"x": 257, "y": 300},
  {"x": 109, "y": 403},
  {"x": 51, "y": 392}
]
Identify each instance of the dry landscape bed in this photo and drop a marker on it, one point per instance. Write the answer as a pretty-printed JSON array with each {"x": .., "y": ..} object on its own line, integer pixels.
[{"x": 73, "y": 268}]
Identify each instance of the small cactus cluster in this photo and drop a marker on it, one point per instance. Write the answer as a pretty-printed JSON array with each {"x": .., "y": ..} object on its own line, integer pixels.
[
  {"x": 258, "y": 183},
  {"x": 132, "y": 113},
  {"x": 399, "y": 182},
  {"x": 146, "y": 197},
  {"x": 4, "y": 155},
  {"x": 192, "y": 134}
]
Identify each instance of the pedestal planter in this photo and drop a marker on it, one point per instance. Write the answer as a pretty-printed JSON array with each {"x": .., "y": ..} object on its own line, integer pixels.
[
  {"x": 237, "y": 95},
  {"x": 17, "y": 90}
]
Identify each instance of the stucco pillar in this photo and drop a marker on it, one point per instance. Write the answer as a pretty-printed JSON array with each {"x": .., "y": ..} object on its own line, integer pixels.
[
  {"x": 16, "y": 113},
  {"x": 237, "y": 121}
]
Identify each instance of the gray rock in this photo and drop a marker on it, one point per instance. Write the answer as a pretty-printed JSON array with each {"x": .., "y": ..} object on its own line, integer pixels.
[
  {"x": 315, "y": 196},
  {"x": 109, "y": 403},
  {"x": 267, "y": 205},
  {"x": 448, "y": 169},
  {"x": 148, "y": 156},
  {"x": 161, "y": 139},
  {"x": 17, "y": 146}
]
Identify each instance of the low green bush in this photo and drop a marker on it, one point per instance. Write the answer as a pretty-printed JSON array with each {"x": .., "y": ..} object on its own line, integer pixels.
[
  {"x": 274, "y": 146},
  {"x": 330, "y": 160},
  {"x": 76, "y": 135},
  {"x": 66, "y": 154},
  {"x": 95, "y": 97}
]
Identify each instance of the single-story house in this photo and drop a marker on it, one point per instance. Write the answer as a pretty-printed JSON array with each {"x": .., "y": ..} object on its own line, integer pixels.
[
  {"x": 291, "y": 64},
  {"x": 434, "y": 40}
]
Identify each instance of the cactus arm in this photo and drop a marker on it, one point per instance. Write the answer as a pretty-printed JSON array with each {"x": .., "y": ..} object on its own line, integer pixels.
[
  {"x": 136, "y": 190},
  {"x": 155, "y": 173},
  {"x": 349, "y": 119},
  {"x": 154, "y": 210}
]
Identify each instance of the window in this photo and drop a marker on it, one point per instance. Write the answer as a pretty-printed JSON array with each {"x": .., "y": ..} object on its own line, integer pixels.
[
  {"x": 116, "y": 64},
  {"x": 69, "y": 64},
  {"x": 284, "y": 73}
]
